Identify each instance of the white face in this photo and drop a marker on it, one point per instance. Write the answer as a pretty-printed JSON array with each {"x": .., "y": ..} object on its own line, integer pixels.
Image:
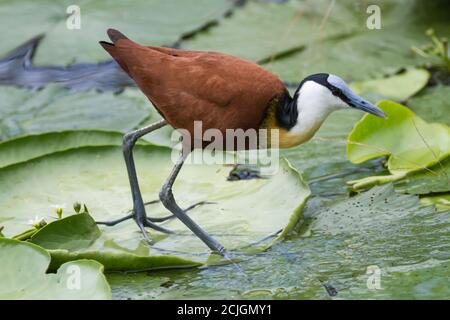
[
  {"x": 318, "y": 98},
  {"x": 316, "y": 101}
]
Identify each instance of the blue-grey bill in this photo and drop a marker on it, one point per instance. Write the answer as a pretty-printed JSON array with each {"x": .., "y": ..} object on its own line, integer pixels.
[
  {"x": 364, "y": 105},
  {"x": 354, "y": 100}
]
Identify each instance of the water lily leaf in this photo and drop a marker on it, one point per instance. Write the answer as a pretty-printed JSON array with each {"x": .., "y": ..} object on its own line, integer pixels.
[
  {"x": 440, "y": 201},
  {"x": 74, "y": 237},
  {"x": 80, "y": 229},
  {"x": 56, "y": 109},
  {"x": 433, "y": 104},
  {"x": 397, "y": 87},
  {"x": 376, "y": 52},
  {"x": 336, "y": 245},
  {"x": 307, "y": 37},
  {"x": 23, "y": 275},
  {"x": 410, "y": 143},
  {"x": 292, "y": 25},
  {"x": 360, "y": 211},
  {"x": 435, "y": 179},
  {"x": 96, "y": 176},
  {"x": 145, "y": 21},
  {"x": 424, "y": 280},
  {"x": 32, "y": 146}
]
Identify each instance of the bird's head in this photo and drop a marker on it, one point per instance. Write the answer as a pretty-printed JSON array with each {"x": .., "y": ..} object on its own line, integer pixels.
[{"x": 327, "y": 92}]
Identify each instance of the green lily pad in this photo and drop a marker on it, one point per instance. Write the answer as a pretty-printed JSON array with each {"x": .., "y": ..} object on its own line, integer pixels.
[
  {"x": 78, "y": 237},
  {"x": 145, "y": 21},
  {"x": 433, "y": 104},
  {"x": 292, "y": 26},
  {"x": 440, "y": 201},
  {"x": 397, "y": 87},
  {"x": 435, "y": 179},
  {"x": 307, "y": 37},
  {"x": 425, "y": 280},
  {"x": 29, "y": 147},
  {"x": 377, "y": 52},
  {"x": 23, "y": 275},
  {"x": 56, "y": 109},
  {"x": 70, "y": 233},
  {"x": 410, "y": 143},
  {"x": 336, "y": 245},
  {"x": 96, "y": 176}
]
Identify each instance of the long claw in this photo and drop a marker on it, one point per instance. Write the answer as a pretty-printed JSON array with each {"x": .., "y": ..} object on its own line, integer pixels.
[
  {"x": 114, "y": 222},
  {"x": 162, "y": 219},
  {"x": 154, "y": 226},
  {"x": 144, "y": 233}
]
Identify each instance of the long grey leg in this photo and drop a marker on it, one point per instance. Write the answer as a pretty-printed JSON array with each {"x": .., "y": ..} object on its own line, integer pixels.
[
  {"x": 138, "y": 214},
  {"x": 169, "y": 202}
]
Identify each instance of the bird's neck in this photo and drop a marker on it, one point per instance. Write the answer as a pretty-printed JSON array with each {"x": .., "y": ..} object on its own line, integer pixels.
[{"x": 296, "y": 119}]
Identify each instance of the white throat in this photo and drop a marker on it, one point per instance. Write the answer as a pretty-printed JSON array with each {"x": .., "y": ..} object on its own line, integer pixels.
[{"x": 314, "y": 103}]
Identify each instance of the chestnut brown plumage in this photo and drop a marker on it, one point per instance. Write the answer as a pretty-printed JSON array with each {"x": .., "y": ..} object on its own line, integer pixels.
[{"x": 223, "y": 92}]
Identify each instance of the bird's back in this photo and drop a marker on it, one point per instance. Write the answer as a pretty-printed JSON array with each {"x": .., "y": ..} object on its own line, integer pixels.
[{"x": 220, "y": 90}]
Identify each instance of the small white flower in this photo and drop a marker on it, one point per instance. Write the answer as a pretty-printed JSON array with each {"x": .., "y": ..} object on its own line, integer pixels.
[
  {"x": 34, "y": 221},
  {"x": 37, "y": 222}
]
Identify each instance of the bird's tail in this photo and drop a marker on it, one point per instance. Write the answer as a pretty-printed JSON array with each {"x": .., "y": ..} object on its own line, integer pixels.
[
  {"x": 115, "y": 35},
  {"x": 111, "y": 48}
]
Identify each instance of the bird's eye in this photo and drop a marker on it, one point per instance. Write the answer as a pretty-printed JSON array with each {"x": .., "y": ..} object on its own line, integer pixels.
[{"x": 335, "y": 92}]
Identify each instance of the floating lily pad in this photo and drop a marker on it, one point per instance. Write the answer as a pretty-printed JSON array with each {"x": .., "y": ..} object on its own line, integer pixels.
[
  {"x": 424, "y": 280},
  {"x": 441, "y": 201},
  {"x": 435, "y": 179},
  {"x": 96, "y": 176},
  {"x": 410, "y": 143},
  {"x": 34, "y": 146},
  {"x": 78, "y": 237},
  {"x": 376, "y": 52},
  {"x": 397, "y": 87},
  {"x": 292, "y": 26},
  {"x": 24, "y": 275},
  {"x": 307, "y": 37},
  {"x": 145, "y": 21},
  {"x": 336, "y": 245},
  {"x": 433, "y": 104},
  {"x": 56, "y": 109}
]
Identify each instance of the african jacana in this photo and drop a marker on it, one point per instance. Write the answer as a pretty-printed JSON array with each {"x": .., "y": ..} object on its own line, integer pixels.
[{"x": 224, "y": 92}]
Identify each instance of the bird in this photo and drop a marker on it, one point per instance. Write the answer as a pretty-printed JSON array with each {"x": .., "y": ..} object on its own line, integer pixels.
[{"x": 223, "y": 92}]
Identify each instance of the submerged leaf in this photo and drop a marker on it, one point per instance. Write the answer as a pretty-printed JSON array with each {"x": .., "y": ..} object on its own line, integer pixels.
[
  {"x": 336, "y": 245},
  {"x": 23, "y": 275}
]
